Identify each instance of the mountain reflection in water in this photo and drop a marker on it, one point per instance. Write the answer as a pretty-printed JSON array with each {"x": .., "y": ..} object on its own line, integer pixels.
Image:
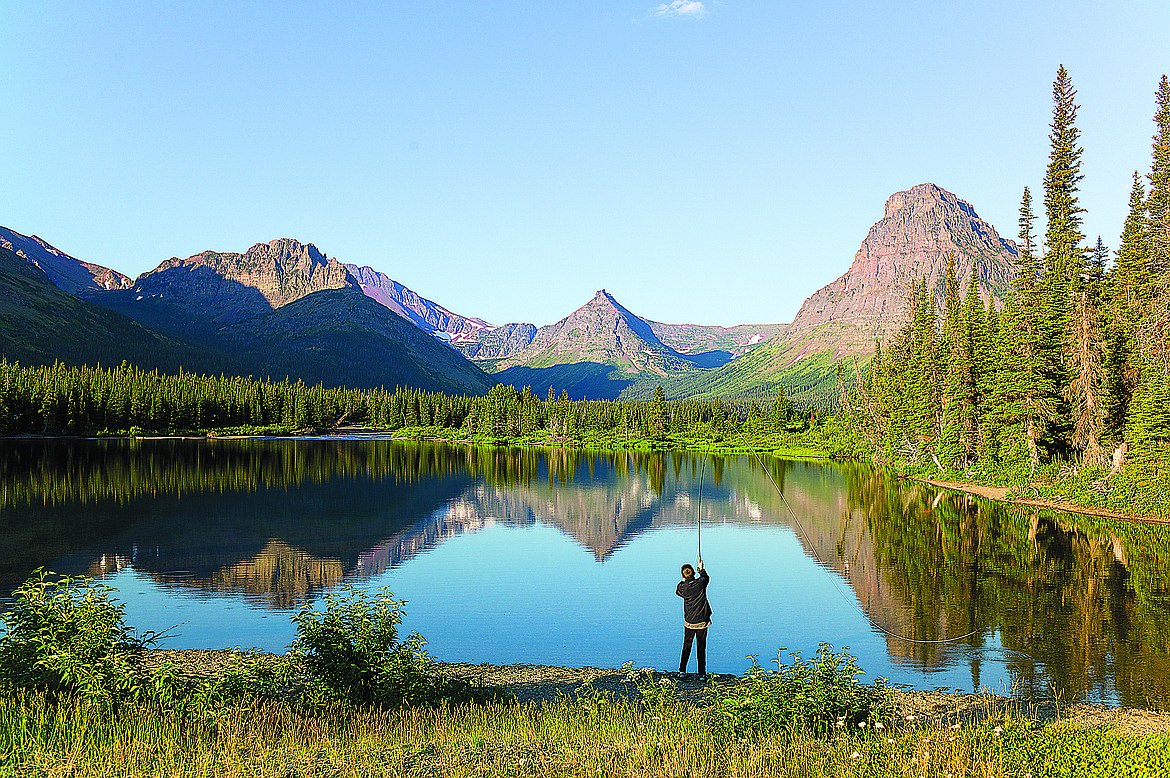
[{"x": 1066, "y": 603}]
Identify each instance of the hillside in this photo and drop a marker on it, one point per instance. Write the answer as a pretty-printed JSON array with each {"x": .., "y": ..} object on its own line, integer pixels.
[
  {"x": 425, "y": 314},
  {"x": 341, "y": 337}
]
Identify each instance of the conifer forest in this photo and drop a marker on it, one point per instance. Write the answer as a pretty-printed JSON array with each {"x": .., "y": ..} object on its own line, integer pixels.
[{"x": 1070, "y": 370}]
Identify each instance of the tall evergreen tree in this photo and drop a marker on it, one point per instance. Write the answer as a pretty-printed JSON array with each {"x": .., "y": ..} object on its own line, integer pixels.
[
  {"x": 1156, "y": 286},
  {"x": 1063, "y": 258},
  {"x": 1158, "y": 205}
]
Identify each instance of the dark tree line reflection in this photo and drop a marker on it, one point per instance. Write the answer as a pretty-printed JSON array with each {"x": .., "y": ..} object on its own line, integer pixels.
[{"x": 1079, "y": 604}]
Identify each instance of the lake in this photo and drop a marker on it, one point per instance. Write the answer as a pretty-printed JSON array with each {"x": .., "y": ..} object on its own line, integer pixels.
[{"x": 569, "y": 557}]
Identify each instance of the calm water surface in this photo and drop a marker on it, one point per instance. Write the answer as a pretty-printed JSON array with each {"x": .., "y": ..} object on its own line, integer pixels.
[{"x": 571, "y": 558}]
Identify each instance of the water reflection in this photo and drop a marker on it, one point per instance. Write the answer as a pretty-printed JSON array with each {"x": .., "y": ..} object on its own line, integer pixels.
[{"x": 1065, "y": 603}]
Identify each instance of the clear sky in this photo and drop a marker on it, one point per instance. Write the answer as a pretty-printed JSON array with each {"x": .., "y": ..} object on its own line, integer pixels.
[{"x": 711, "y": 162}]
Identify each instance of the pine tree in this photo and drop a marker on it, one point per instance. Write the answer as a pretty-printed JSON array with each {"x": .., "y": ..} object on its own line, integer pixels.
[
  {"x": 1156, "y": 283},
  {"x": 1064, "y": 258},
  {"x": 955, "y": 370},
  {"x": 1123, "y": 302},
  {"x": 659, "y": 424},
  {"x": 1028, "y": 278},
  {"x": 1158, "y": 205}
]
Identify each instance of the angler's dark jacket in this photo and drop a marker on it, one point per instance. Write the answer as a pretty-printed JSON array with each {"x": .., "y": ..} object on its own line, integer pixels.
[{"x": 696, "y": 609}]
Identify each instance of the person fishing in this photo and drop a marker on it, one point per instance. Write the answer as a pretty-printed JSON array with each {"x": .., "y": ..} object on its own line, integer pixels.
[{"x": 696, "y": 616}]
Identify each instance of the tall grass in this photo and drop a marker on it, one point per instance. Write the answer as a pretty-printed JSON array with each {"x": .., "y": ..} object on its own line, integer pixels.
[{"x": 579, "y": 737}]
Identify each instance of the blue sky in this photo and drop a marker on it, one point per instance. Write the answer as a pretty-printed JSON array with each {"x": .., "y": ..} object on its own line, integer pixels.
[{"x": 711, "y": 162}]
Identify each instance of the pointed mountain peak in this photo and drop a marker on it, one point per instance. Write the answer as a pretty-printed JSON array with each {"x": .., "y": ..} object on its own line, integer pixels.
[
  {"x": 603, "y": 300},
  {"x": 923, "y": 226}
]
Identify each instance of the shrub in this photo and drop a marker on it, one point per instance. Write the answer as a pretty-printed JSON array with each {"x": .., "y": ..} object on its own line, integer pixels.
[
  {"x": 352, "y": 649},
  {"x": 67, "y": 635},
  {"x": 820, "y": 696}
]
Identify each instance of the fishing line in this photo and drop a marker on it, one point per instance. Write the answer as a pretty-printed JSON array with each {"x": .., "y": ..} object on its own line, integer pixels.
[{"x": 812, "y": 548}]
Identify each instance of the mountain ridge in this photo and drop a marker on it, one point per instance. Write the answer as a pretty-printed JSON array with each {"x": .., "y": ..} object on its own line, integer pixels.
[{"x": 67, "y": 272}]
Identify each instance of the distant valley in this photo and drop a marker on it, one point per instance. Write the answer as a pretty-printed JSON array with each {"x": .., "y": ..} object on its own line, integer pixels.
[{"x": 284, "y": 309}]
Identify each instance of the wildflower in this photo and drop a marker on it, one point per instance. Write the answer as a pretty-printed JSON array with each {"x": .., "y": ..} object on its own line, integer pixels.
[
  {"x": 840, "y": 723},
  {"x": 878, "y": 725},
  {"x": 998, "y": 731},
  {"x": 856, "y": 755},
  {"x": 861, "y": 725},
  {"x": 889, "y": 740},
  {"x": 910, "y": 717},
  {"x": 956, "y": 725},
  {"x": 656, "y": 718}
]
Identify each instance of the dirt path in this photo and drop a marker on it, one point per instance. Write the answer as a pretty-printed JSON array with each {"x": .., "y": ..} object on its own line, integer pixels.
[{"x": 999, "y": 493}]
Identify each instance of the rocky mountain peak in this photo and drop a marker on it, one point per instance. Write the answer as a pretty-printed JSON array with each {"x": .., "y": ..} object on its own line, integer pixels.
[
  {"x": 230, "y": 285},
  {"x": 602, "y": 296},
  {"x": 921, "y": 228},
  {"x": 284, "y": 250}
]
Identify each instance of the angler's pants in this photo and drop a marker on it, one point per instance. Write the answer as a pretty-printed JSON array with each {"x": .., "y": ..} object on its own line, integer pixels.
[{"x": 689, "y": 635}]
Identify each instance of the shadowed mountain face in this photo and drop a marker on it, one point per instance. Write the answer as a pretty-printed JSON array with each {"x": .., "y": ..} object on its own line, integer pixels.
[
  {"x": 921, "y": 228},
  {"x": 68, "y": 273},
  {"x": 42, "y": 324},
  {"x": 426, "y": 315},
  {"x": 341, "y": 337}
]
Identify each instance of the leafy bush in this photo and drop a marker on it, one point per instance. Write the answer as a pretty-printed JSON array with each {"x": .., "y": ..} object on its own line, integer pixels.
[
  {"x": 820, "y": 696},
  {"x": 67, "y": 635},
  {"x": 352, "y": 649}
]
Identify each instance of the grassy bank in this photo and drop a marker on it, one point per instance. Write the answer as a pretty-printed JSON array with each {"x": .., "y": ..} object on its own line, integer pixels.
[
  {"x": 1138, "y": 490},
  {"x": 580, "y": 737}
]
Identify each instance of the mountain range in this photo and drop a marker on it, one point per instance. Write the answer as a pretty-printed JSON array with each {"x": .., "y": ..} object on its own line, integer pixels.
[{"x": 285, "y": 309}]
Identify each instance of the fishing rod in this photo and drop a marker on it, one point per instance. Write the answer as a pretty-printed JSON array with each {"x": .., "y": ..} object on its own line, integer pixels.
[
  {"x": 698, "y": 505},
  {"x": 851, "y": 600}
]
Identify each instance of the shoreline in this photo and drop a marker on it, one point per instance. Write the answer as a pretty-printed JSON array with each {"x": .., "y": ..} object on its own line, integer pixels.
[
  {"x": 549, "y": 683},
  {"x": 999, "y": 494}
]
